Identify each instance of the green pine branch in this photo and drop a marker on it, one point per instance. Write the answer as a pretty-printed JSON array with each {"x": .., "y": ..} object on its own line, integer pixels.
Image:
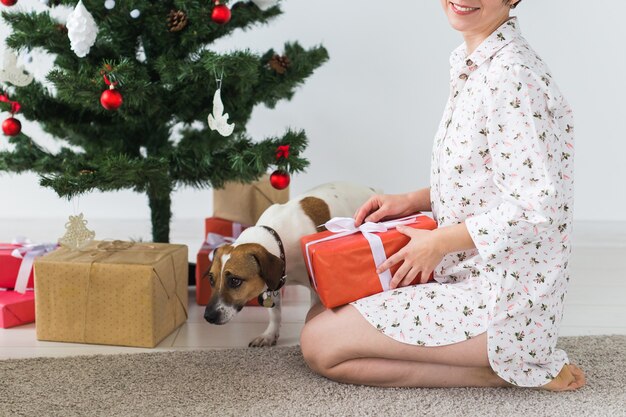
[
  {"x": 28, "y": 156},
  {"x": 276, "y": 87},
  {"x": 200, "y": 163},
  {"x": 33, "y": 29},
  {"x": 203, "y": 31},
  {"x": 109, "y": 173},
  {"x": 133, "y": 147}
]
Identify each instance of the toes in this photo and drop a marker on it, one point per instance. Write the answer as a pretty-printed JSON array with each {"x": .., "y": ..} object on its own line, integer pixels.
[
  {"x": 570, "y": 378},
  {"x": 579, "y": 376}
]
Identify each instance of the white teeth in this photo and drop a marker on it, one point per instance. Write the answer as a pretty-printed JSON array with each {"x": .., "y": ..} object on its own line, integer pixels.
[{"x": 464, "y": 9}]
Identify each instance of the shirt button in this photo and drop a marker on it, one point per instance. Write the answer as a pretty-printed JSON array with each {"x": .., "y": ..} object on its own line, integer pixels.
[
  {"x": 463, "y": 76},
  {"x": 469, "y": 62}
]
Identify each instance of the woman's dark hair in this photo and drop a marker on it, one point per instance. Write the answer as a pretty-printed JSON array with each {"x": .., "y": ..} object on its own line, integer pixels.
[{"x": 514, "y": 5}]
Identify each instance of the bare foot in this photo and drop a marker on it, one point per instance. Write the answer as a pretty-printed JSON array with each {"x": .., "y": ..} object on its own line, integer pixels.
[{"x": 570, "y": 378}]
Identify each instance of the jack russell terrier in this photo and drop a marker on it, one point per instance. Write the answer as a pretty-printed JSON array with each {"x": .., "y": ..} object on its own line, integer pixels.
[{"x": 267, "y": 256}]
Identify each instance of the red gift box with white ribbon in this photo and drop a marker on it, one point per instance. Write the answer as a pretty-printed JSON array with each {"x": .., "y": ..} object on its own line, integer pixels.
[
  {"x": 342, "y": 261},
  {"x": 16, "y": 263}
]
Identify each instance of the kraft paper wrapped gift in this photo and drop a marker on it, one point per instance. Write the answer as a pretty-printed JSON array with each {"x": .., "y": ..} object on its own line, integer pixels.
[
  {"x": 244, "y": 203},
  {"x": 16, "y": 309},
  {"x": 342, "y": 261},
  {"x": 112, "y": 293},
  {"x": 218, "y": 232}
]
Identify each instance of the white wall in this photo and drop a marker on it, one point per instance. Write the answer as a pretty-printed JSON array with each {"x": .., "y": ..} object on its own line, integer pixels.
[{"x": 372, "y": 111}]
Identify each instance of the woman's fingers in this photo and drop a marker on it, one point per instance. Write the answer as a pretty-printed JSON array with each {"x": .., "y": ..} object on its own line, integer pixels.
[
  {"x": 408, "y": 279},
  {"x": 399, "y": 275},
  {"x": 391, "y": 261},
  {"x": 377, "y": 215},
  {"x": 369, "y": 206},
  {"x": 425, "y": 276}
]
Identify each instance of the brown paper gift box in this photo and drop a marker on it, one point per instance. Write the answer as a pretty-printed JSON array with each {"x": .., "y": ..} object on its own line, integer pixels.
[
  {"x": 111, "y": 293},
  {"x": 244, "y": 203}
]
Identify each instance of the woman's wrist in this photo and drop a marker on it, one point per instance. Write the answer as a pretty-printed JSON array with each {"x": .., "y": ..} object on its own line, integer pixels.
[
  {"x": 420, "y": 200},
  {"x": 453, "y": 238}
]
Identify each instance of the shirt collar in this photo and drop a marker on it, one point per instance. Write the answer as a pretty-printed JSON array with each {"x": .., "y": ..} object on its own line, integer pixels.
[{"x": 501, "y": 37}]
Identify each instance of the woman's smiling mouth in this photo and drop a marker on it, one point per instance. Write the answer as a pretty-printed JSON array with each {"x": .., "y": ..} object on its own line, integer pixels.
[{"x": 463, "y": 10}]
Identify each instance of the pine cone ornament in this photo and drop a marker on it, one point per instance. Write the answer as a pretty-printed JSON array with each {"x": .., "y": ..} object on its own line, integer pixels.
[
  {"x": 280, "y": 64},
  {"x": 62, "y": 28},
  {"x": 176, "y": 20}
]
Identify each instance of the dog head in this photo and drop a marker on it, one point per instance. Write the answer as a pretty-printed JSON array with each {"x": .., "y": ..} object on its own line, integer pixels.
[{"x": 238, "y": 274}]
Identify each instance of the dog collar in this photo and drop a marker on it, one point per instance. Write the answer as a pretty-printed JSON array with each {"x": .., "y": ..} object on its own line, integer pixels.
[{"x": 266, "y": 298}]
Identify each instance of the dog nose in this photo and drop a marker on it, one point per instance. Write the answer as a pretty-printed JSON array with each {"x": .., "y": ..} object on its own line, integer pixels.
[{"x": 212, "y": 316}]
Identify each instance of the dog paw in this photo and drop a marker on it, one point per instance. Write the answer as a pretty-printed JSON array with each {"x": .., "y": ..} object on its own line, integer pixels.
[{"x": 264, "y": 341}]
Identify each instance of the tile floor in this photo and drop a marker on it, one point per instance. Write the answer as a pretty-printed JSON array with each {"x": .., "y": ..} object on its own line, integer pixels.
[{"x": 596, "y": 302}]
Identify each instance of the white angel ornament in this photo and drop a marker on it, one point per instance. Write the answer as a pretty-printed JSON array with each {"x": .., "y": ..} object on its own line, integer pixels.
[{"x": 218, "y": 120}]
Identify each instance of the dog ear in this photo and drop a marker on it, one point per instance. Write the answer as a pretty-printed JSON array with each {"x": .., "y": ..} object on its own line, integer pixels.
[{"x": 271, "y": 266}]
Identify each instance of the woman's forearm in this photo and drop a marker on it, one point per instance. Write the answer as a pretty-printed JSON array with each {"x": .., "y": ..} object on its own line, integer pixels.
[
  {"x": 450, "y": 238},
  {"x": 421, "y": 199},
  {"x": 454, "y": 238}
]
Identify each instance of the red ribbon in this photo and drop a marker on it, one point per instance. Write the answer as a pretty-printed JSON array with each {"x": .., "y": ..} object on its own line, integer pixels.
[
  {"x": 282, "y": 152},
  {"x": 15, "y": 106}
]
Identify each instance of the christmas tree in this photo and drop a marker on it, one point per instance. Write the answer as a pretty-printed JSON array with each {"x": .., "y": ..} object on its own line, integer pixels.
[{"x": 131, "y": 90}]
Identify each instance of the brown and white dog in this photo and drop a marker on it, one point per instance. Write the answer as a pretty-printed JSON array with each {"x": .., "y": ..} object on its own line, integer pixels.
[{"x": 268, "y": 255}]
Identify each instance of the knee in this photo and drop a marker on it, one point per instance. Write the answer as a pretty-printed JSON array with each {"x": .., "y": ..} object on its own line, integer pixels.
[{"x": 314, "y": 350}]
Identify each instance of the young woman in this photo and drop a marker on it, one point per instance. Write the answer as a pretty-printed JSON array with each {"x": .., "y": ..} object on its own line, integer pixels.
[{"x": 501, "y": 191}]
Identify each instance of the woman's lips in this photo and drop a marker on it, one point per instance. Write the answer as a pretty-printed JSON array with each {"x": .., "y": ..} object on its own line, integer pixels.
[{"x": 463, "y": 10}]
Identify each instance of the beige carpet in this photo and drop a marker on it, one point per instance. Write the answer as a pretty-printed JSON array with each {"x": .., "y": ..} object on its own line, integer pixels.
[{"x": 276, "y": 382}]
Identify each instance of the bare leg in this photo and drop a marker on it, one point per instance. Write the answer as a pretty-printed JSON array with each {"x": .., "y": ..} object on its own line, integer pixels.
[
  {"x": 341, "y": 345},
  {"x": 316, "y": 308},
  {"x": 387, "y": 373}
]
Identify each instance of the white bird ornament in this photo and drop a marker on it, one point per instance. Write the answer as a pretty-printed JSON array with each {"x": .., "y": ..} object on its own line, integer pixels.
[
  {"x": 12, "y": 73},
  {"x": 218, "y": 120},
  {"x": 265, "y": 4}
]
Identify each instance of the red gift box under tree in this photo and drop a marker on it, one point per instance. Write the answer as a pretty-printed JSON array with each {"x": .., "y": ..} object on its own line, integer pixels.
[{"x": 342, "y": 261}]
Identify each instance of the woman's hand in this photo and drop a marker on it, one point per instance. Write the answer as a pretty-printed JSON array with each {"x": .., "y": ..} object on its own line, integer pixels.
[
  {"x": 422, "y": 254},
  {"x": 382, "y": 206}
]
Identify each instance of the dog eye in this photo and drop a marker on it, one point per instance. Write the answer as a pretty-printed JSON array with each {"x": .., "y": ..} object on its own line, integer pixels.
[
  {"x": 234, "y": 282},
  {"x": 212, "y": 279}
]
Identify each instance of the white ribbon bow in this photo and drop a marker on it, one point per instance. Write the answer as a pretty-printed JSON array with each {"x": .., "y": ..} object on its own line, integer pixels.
[
  {"x": 214, "y": 241},
  {"x": 344, "y": 226},
  {"x": 27, "y": 253}
]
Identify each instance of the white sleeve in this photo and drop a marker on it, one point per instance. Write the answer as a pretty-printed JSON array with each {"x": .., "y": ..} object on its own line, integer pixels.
[{"x": 526, "y": 161}]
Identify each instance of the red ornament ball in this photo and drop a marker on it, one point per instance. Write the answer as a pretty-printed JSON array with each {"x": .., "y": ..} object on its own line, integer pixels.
[
  {"x": 111, "y": 99},
  {"x": 221, "y": 14},
  {"x": 280, "y": 180},
  {"x": 8, "y": 2},
  {"x": 11, "y": 127}
]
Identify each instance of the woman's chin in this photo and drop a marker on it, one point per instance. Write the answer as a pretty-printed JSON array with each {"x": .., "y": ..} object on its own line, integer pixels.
[
  {"x": 458, "y": 24},
  {"x": 461, "y": 23}
]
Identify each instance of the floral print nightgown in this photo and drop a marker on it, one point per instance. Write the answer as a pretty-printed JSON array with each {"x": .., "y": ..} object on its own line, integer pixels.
[{"x": 502, "y": 162}]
